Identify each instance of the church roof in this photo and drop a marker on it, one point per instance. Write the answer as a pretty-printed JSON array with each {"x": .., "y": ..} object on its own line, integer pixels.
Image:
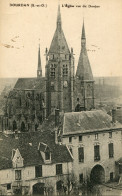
[
  {"x": 59, "y": 43},
  {"x": 87, "y": 121},
  {"x": 30, "y": 83},
  {"x": 84, "y": 71},
  {"x": 27, "y": 144}
]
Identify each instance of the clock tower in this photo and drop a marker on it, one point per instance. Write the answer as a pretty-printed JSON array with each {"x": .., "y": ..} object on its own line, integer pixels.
[{"x": 59, "y": 72}]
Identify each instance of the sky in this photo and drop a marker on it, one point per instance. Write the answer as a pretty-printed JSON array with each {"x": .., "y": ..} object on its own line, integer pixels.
[{"x": 23, "y": 28}]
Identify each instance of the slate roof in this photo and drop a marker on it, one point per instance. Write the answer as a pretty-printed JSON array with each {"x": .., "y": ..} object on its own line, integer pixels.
[
  {"x": 30, "y": 83},
  {"x": 28, "y": 147},
  {"x": 84, "y": 69},
  {"x": 59, "y": 43},
  {"x": 87, "y": 121}
]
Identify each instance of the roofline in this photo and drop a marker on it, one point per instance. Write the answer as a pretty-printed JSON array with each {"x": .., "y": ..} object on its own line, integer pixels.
[{"x": 92, "y": 131}]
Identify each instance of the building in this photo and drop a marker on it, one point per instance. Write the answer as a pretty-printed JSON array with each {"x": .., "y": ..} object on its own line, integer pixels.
[
  {"x": 34, "y": 99},
  {"x": 33, "y": 163},
  {"x": 95, "y": 141}
]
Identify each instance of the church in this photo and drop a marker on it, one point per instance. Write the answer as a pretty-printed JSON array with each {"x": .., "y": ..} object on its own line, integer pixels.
[{"x": 32, "y": 100}]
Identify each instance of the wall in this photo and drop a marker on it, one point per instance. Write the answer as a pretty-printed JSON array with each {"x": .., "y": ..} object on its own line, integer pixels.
[
  {"x": 49, "y": 177},
  {"x": 88, "y": 142}
]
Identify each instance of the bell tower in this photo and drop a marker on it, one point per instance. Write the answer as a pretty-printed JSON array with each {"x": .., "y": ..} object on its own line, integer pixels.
[
  {"x": 84, "y": 77},
  {"x": 59, "y": 72}
]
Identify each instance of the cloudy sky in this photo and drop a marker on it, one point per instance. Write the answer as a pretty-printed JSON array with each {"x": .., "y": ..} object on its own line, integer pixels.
[{"x": 22, "y": 27}]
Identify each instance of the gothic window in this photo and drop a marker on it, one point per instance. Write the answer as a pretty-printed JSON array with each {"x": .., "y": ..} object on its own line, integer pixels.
[
  {"x": 65, "y": 70},
  {"x": 52, "y": 70},
  {"x": 97, "y": 153}
]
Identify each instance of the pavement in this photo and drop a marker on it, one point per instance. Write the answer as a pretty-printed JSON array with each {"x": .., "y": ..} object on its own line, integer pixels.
[{"x": 110, "y": 189}]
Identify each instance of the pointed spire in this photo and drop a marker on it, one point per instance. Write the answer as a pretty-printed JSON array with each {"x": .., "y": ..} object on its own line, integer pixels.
[
  {"x": 39, "y": 70},
  {"x": 83, "y": 31},
  {"x": 84, "y": 71},
  {"x": 59, "y": 18}
]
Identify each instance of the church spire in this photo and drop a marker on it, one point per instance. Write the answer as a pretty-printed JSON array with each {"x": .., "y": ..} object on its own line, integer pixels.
[
  {"x": 59, "y": 42},
  {"x": 39, "y": 70},
  {"x": 84, "y": 71},
  {"x": 59, "y": 23},
  {"x": 83, "y": 31}
]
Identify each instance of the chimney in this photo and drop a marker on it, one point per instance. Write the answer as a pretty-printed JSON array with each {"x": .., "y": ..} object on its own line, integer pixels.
[
  {"x": 113, "y": 115},
  {"x": 56, "y": 117}
]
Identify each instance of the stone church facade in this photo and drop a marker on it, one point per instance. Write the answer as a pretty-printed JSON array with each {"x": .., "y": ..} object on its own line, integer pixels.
[{"x": 34, "y": 99}]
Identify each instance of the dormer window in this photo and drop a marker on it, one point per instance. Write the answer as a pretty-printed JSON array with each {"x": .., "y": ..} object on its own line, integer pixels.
[
  {"x": 45, "y": 152},
  {"x": 47, "y": 155}
]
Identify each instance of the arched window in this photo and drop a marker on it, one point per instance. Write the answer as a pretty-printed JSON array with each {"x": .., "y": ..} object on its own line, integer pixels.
[
  {"x": 65, "y": 70},
  {"x": 14, "y": 125},
  {"x": 52, "y": 70},
  {"x": 23, "y": 127}
]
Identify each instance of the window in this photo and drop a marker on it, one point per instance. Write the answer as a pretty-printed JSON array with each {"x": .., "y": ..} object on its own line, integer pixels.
[
  {"x": 81, "y": 178},
  {"x": 70, "y": 139},
  {"x": 17, "y": 174},
  {"x": 58, "y": 169},
  {"x": 38, "y": 171},
  {"x": 80, "y": 138},
  {"x": 110, "y": 134},
  {"x": 47, "y": 155},
  {"x": 97, "y": 153},
  {"x": 81, "y": 154},
  {"x": 8, "y": 186},
  {"x": 52, "y": 70},
  {"x": 65, "y": 70},
  {"x": 111, "y": 176},
  {"x": 96, "y": 136},
  {"x": 111, "y": 150}
]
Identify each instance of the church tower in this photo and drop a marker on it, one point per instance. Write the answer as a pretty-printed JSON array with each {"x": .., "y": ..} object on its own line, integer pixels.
[
  {"x": 84, "y": 77},
  {"x": 39, "y": 69},
  {"x": 59, "y": 72}
]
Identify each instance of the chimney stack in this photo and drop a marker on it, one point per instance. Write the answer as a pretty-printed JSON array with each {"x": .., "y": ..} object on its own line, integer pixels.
[{"x": 113, "y": 115}]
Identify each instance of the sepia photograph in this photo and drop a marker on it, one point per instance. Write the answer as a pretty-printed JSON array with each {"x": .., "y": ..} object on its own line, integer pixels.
[{"x": 61, "y": 97}]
